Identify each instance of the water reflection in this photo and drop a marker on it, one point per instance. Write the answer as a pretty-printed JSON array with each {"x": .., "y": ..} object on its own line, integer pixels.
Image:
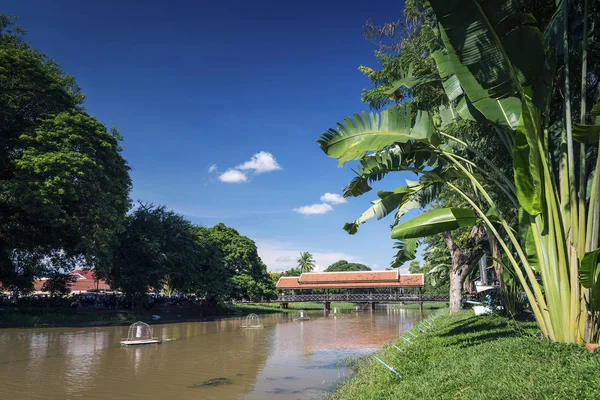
[{"x": 285, "y": 359}]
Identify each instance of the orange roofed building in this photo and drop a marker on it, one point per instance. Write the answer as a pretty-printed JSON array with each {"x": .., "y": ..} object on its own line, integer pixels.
[
  {"x": 351, "y": 280},
  {"x": 85, "y": 281}
]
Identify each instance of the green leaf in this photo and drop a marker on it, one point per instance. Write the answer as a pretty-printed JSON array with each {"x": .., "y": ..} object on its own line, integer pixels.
[
  {"x": 477, "y": 104},
  {"x": 588, "y": 134},
  {"x": 452, "y": 87},
  {"x": 589, "y": 275},
  {"x": 409, "y": 80},
  {"x": 361, "y": 134},
  {"x": 387, "y": 203},
  {"x": 407, "y": 251},
  {"x": 589, "y": 269},
  {"x": 527, "y": 162},
  {"x": 358, "y": 186},
  {"x": 434, "y": 222},
  {"x": 498, "y": 43}
]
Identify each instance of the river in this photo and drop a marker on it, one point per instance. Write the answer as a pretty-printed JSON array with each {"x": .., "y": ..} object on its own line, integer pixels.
[{"x": 286, "y": 359}]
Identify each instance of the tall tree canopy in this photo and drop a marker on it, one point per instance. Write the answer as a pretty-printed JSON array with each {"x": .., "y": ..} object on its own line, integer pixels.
[
  {"x": 343, "y": 265},
  {"x": 64, "y": 184}
]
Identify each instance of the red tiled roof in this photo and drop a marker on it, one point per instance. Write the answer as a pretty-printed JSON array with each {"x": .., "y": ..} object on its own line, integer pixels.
[
  {"x": 366, "y": 279},
  {"x": 86, "y": 281},
  {"x": 337, "y": 277},
  {"x": 86, "y": 274}
]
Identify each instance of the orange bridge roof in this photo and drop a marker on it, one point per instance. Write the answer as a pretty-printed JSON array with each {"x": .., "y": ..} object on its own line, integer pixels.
[{"x": 362, "y": 279}]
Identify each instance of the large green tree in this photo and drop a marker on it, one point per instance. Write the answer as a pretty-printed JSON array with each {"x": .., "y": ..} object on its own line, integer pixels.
[
  {"x": 344, "y": 265},
  {"x": 244, "y": 273},
  {"x": 157, "y": 248},
  {"x": 63, "y": 182}
]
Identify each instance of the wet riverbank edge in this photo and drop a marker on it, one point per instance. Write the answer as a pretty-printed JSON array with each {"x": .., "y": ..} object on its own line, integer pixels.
[
  {"x": 469, "y": 357},
  {"x": 54, "y": 317}
]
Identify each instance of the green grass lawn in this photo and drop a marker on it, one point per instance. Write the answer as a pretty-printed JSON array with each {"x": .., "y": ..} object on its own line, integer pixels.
[{"x": 467, "y": 357}]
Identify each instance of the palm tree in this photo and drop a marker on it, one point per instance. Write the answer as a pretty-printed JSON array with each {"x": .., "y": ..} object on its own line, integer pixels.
[{"x": 306, "y": 262}]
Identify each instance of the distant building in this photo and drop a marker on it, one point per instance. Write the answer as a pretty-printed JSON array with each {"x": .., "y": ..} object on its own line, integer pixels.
[{"x": 86, "y": 281}]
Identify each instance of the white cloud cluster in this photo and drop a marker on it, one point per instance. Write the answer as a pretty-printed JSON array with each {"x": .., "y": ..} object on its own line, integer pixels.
[
  {"x": 260, "y": 162},
  {"x": 233, "y": 176},
  {"x": 333, "y": 198},
  {"x": 321, "y": 208},
  {"x": 312, "y": 209}
]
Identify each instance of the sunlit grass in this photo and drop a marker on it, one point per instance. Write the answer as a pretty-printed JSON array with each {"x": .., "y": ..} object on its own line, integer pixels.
[{"x": 468, "y": 357}]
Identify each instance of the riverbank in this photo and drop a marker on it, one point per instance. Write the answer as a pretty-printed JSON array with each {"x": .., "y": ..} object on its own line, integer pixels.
[
  {"x": 54, "y": 317},
  {"x": 434, "y": 305},
  {"x": 468, "y": 357}
]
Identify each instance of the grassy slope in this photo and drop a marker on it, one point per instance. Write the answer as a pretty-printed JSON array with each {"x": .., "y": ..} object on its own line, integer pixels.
[{"x": 468, "y": 357}]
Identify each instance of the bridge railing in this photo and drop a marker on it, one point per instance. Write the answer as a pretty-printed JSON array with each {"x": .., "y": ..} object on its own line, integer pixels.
[{"x": 361, "y": 297}]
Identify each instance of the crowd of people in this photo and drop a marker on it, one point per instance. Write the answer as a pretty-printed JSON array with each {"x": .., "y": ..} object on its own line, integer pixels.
[{"x": 99, "y": 300}]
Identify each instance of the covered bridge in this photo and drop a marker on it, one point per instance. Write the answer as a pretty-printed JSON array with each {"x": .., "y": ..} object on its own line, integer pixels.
[{"x": 315, "y": 286}]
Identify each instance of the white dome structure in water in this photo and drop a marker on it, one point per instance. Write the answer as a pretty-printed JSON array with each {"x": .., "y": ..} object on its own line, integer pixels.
[
  {"x": 301, "y": 316},
  {"x": 252, "y": 322},
  {"x": 139, "y": 333}
]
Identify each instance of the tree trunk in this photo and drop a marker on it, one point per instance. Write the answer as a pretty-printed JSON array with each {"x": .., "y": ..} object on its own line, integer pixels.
[
  {"x": 456, "y": 285},
  {"x": 462, "y": 265}
]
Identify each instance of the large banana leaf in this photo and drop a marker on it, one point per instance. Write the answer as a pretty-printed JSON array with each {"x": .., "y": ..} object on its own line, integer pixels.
[
  {"x": 386, "y": 204},
  {"x": 434, "y": 222},
  {"x": 503, "y": 112},
  {"x": 361, "y": 134},
  {"x": 407, "y": 251},
  {"x": 499, "y": 44},
  {"x": 373, "y": 167},
  {"x": 527, "y": 161},
  {"x": 409, "y": 80}
]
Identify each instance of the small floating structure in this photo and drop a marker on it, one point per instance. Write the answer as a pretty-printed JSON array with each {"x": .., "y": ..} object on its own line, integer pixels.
[
  {"x": 139, "y": 333},
  {"x": 301, "y": 316},
  {"x": 252, "y": 322}
]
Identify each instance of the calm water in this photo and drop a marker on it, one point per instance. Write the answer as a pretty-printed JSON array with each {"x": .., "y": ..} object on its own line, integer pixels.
[{"x": 286, "y": 359}]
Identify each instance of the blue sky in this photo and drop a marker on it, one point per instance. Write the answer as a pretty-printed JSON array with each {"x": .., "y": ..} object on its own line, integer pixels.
[{"x": 242, "y": 85}]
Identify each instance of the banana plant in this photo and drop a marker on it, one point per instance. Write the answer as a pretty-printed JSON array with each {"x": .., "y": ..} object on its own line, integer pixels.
[{"x": 497, "y": 66}]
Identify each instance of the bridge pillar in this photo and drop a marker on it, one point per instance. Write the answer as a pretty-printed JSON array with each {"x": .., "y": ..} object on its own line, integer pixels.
[
  {"x": 283, "y": 305},
  {"x": 373, "y": 305},
  {"x": 327, "y": 306},
  {"x": 420, "y": 300}
]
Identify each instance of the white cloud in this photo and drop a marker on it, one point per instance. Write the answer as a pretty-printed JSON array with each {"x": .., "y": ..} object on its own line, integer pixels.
[
  {"x": 333, "y": 198},
  {"x": 261, "y": 162},
  {"x": 322, "y": 208},
  {"x": 279, "y": 256},
  {"x": 212, "y": 168},
  {"x": 233, "y": 176}
]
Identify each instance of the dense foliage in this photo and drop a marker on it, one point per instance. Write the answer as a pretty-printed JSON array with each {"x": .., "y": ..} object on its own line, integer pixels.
[
  {"x": 344, "y": 265},
  {"x": 64, "y": 184},
  {"x": 500, "y": 67}
]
